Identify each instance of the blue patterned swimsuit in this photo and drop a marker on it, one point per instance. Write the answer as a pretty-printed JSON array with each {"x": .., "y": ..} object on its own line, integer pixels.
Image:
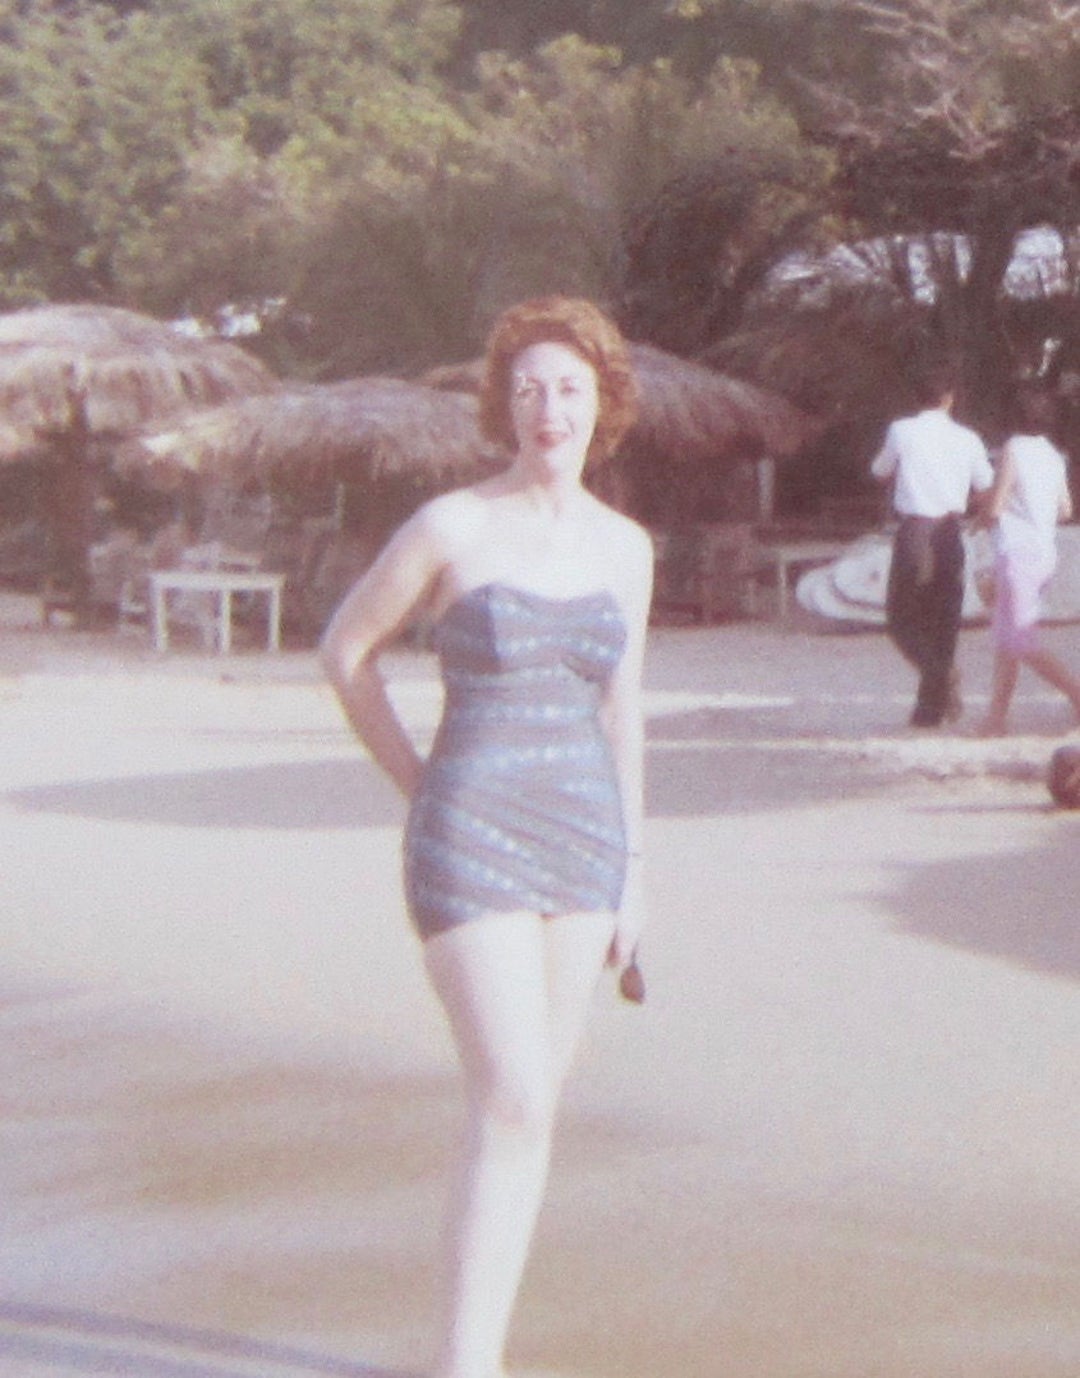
[{"x": 519, "y": 805}]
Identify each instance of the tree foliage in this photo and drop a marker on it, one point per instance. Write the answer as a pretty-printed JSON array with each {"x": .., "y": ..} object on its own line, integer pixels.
[
  {"x": 381, "y": 163},
  {"x": 747, "y": 190},
  {"x": 94, "y": 120},
  {"x": 399, "y": 170},
  {"x": 967, "y": 122}
]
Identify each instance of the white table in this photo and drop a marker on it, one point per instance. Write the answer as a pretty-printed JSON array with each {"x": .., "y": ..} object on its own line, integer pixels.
[{"x": 223, "y": 583}]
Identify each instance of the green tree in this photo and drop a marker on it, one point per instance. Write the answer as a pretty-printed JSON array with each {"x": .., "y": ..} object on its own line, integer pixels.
[
  {"x": 749, "y": 192},
  {"x": 95, "y": 118},
  {"x": 539, "y": 178},
  {"x": 311, "y": 72},
  {"x": 176, "y": 151},
  {"x": 332, "y": 119},
  {"x": 969, "y": 125},
  {"x": 664, "y": 195}
]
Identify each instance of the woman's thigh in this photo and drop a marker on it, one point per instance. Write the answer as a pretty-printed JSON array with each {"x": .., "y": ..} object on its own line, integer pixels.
[
  {"x": 490, "y": 975},
  {"x": 577, "y": 946},
  {"x": 515, "y": 988},
  {"x": 1021, "y": 575}
]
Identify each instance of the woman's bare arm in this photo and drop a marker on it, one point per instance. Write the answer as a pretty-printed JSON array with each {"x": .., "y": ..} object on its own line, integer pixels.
[
  {"x": 376, "y": 609},
  {"x": 998, "y": 494},
  {"x": 624, "y": 723},
  {"x": 1065, "y": 503}
]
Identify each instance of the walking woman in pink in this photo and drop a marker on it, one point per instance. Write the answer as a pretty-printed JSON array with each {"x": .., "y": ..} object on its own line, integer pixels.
[{"x": 1029, "y": 497}]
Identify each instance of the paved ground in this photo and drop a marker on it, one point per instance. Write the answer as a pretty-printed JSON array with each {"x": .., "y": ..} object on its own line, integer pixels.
[{"x": 839, "y": 1141}]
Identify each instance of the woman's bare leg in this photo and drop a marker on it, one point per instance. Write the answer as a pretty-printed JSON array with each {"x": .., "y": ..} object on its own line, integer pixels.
[
  {"x": 577, "y": 946},
  {"x": 1006, "y": 673},
  {"x": 506, "y": 982},
  {"x": 1055, "y": 672}
]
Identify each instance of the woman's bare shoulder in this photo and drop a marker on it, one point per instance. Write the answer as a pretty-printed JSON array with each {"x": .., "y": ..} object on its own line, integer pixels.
[
  {"x": 451, "y": 519},
  {"x": 628, "y": 535}
]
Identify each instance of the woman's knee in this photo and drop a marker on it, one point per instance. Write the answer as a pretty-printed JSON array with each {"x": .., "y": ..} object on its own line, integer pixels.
[{"x": 519, "y": 1106}]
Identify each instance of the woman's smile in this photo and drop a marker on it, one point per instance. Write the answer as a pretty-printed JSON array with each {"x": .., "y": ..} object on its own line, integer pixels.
[{"x": 554, "y": 399}]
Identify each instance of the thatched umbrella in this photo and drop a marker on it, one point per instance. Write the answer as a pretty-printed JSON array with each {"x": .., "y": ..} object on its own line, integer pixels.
[
  {"x": 687, "y": 412},
  {"x": 74, "y": 381},
  {"x": 389, "y": 443},
  {"x": 708, "y": 417},
  {"x": 362, "y": 431},
  {"x": 692, "y": 422},
  {"x": 368, "y": 430},
  {"x": 126, "y": 370}
]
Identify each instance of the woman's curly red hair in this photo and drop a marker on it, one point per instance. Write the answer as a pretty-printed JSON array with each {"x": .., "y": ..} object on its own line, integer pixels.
[{"x": 581, "y": 326}]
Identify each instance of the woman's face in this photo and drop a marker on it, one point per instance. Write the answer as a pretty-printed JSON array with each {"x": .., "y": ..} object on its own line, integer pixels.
[{"x": 554, "y": 402}]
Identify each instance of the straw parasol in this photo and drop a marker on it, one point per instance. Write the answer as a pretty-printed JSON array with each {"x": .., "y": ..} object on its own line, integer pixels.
[
  {"x": 121, "y": 369},
  {"x": 688, "y": 413},
  {"x": 362, "y": 430},
  {"x": 426, "y": 433},
  {"x": 697, "y": 433},
  {"x": 706, "y": 417}
]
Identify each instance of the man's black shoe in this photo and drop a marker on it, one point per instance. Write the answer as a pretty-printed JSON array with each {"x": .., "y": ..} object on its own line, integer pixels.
[{"x": 923, "y": 717}]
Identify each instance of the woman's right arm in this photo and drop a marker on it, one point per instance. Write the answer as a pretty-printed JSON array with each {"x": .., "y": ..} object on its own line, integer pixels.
[
  {"x": 373, "y": 612},
  {"x": 1065, "y": 502},
  {"x": 998, "y": 494}
]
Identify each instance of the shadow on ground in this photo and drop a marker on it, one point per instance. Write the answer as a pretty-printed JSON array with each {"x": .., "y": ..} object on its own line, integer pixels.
[
  {"x": 706, "y": 761},
  {"x": 152, "y": 1169},
  {"x": 684, "y": 780},
  {"x": 53, "y": 1340},
  {"x": 1001, "y": 905},
  {"x": 216, "y": 1180},
  {"x": 292, "y": 795}
]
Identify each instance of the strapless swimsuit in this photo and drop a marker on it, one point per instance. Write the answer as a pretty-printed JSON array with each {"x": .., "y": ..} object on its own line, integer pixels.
[{"x": 519, "y": 805}]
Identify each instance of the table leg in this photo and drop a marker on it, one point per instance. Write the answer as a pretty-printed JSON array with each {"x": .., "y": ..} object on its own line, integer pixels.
[
  {"x": 273, "y": 630},
  {"x": 161, "y": 619},
  {"x": 782, "y": 588},
  {"x": 225, "y": 622}
]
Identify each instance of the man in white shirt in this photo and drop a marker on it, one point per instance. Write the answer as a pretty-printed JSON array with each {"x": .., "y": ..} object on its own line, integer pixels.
[{"x": 935, "y": 464}]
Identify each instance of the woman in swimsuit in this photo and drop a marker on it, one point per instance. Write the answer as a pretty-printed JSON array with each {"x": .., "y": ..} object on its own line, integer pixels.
[{"x": 523, "y": 841}]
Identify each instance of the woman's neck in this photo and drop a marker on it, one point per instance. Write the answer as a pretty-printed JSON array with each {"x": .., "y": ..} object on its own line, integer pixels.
[{"x": 545, "y": 490}]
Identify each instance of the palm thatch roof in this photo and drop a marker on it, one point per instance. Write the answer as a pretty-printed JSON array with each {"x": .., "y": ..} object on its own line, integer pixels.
[
  {"x": 709, "y": 416},
  {"x": 688, "y": 413},
  {"x": 361, "y": 430},
  {"x": 125, "y": 369}
]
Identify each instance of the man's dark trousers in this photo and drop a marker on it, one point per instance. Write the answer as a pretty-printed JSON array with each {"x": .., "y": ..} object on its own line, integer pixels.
[{"x": 923, "y": 605}]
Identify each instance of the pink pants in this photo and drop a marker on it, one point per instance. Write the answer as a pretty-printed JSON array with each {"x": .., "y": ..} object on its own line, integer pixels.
[{"x": 1020, "y": 575}]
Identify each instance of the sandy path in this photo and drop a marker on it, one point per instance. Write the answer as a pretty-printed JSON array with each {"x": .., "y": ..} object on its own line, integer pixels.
[{"x": 840, "y": 1141}]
